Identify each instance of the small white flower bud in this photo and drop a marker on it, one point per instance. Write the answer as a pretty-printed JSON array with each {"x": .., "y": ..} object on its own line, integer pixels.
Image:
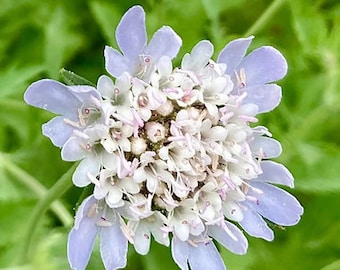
[
  {"x": 166, "y": 108},
  {"x": 138, "y": 146},
  {"x": 155, "y": 131}
]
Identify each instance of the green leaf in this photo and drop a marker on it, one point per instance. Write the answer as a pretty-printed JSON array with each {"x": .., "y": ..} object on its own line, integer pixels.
[{"x": 71, "y": 78}]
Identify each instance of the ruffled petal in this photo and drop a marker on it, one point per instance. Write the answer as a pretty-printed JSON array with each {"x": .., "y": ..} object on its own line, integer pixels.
[
  {"x": 264, "y": 65},
  {"x": 255, "y": 226},
  {"x": 205, "y": 256},
  {"x": 52, "y": 96},
  {"x": 180, "y": 252},
  {"x": 231, "y": 237},
  {"x": 113, "y": 247},
  {"x": 57, "y": 131},
  {"x": 164, "y": 42},
  {"x": 266, "y": 97},
  {"x": 276, "y": 204},
  {"x": 275, "y": 173},
  {"x": 82, "y": 236},
  {"x": 199, "y": 56},
  {"x": 131, "y": 32},
  {"x": 89, "y": 165},
  {"x": 233, "y": 53}
]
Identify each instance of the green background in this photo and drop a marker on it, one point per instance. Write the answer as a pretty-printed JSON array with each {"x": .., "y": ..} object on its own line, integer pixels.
[{"x": 37, "y": 38}]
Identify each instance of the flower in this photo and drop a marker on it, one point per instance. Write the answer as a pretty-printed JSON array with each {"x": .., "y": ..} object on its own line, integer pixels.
[
  {"x": 93, "y": 218},
  {"x": 137, "y": 58},
  {"x": 78, "y": 106},
  {"x": 172, "y": 152}
]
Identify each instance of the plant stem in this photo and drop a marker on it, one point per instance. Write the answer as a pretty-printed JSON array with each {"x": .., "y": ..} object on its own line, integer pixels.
[
  {"x": 59, "y": 188},
  {"x": 264, "y": 18},
  {"x": 34, "y": 185}
]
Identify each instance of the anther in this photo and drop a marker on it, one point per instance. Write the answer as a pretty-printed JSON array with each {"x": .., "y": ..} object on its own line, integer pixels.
[
  {"x": 147, "y": 60},
  {"x": 142, "y": 100}
]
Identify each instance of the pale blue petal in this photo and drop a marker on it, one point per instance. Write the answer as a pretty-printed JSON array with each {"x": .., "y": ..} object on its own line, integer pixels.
[
  {"x": 237, "y": 244},
  {"x": 113, "y": 247},
  {"x": 254, "y": 224},
  {"x": 82, "y": 236},
  {"x": 265, "y": 147},
  {"x": 131, "y": 33},
  {"x": 52, "y": 96},
  {"x": 266, "y": 97},
  {"x": 105, "y": 86},
  {"x": 233, "y": 53},
  {"x": 164, "y": 42},
  {"x": 276, "y": 204},
  {"x": 116, "y": 64},
  {"x": 57, "y": 130},
  {"x": 142, "y": 239},
  {"x": 275, "y": 173},
  {"x": 205, "y": 256},
  {"x": 180, "y": 252},
  {"x": 73, "y": 150},
  {"x": 264, "y": 65},
  {"x": 89, "y": 165},
  {"x": 83, "y": 210},
  {"x": 199, "y": 56},
  {"x": 85, "y": 93}
]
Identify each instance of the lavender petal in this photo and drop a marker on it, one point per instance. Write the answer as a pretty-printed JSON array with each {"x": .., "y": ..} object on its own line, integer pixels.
[
  {"x": 254, "y": 224},
  {"x": 142, "y": 239},
  {"x": 82, "y": 236},
  {"x": 233, "y": 53},
  {"x": 275, "y": 173},
  {"x": 205, "y": 256},
  {"x": 264, "y": 65},
  {"x": 199, "y": 56},
  {"x": 52, "y": 96},
  {"x": 266, "y": 97},
  {"x": 180, "y": 252},
  {"x": 89, "y": 165},
  {"x": 116, "y": 64},
  {"x": 113, "y": 247},
  {"x": 131, "y": 32},
  {"x": 235, "y": 241},
  {"x": 265, "y": 147},
  {"x": 164, "y": 42},
  {"x": 57, "y": 131},
  {"x": 276, "y": 204}
]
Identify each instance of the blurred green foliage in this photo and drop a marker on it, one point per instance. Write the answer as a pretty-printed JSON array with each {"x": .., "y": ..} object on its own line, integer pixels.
[{"x": 38, "y": 38}]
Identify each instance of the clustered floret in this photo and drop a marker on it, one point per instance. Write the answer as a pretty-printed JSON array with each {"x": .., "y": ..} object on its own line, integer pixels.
[{"x": 172, "y": 153}]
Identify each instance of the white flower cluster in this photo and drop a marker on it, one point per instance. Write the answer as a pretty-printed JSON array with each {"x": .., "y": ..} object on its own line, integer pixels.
[{"x": 173, "y": 155}]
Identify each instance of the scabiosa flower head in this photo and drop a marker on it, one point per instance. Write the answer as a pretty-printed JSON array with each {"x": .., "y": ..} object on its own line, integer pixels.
[{"x": 173, "y": 153}]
